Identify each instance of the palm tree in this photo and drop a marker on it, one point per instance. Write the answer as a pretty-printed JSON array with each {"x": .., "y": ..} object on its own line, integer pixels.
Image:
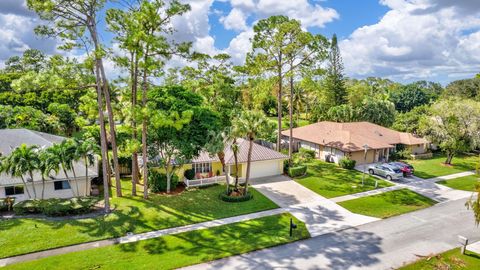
[
  {"x": 216, "y": 146},
  {"x": 86, "y": 150},
  {"x": 235, "y": 148},
  {"x": 65, "y": 154},
  {"x": 250, "y": 124},
  {"x": 24, "y": 159},
  {"x": 48, "y": 162}
]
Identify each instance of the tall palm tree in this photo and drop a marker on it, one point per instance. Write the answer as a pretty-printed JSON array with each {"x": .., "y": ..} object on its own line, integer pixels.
[
  {"x": 216, "y": 146},
  {"x": 250, "y": 124},
  {"x": 64, "y": 153},
  {"x": 24, "y": 159},
  {"x": 86, "y": 150},
  {"x": 235, "y": 148},
  {"x": 47, "y": 164}
]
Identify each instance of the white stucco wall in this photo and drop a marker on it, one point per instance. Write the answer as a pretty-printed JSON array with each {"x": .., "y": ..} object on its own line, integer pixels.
[{"x": 50, "y": 191}]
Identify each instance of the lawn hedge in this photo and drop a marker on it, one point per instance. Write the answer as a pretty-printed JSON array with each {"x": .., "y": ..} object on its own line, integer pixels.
[
  {"x": 297, "y": 171},
  {"x": 56, "y": 207}
]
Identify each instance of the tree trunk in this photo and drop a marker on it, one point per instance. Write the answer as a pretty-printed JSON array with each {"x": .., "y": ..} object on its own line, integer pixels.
[
  {"x": 169, "y": 181},
  {"x": 43, "y": 186},
  {"x": 75, "y": 180},
  {"x": 103, "y": 135},
  {"x": 134, "y": 79},
  {"x": 449, "y": 158},
  {"x": 279, "y": 104},
  {"x": 87, "y": 182},
  {"x": 113, "y": 134},
  {"x": 249, "y": 160},
  {"x": 290, "y": 139},
  {"x": 144, "y": 129},
  {"x": 69, "y": 180},
  {"x": 26, "y": 188},
  {"x": 33, "y": 185},
  {"x": 221, "y": 157},
  {"x": 235, "y": 157}
]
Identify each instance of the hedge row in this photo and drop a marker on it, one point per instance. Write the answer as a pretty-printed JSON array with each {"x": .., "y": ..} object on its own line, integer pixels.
[
  {"x": 56, "y": 207},
  {"x": 157, "y": 181},
  {"x": 297, "y": 171}
]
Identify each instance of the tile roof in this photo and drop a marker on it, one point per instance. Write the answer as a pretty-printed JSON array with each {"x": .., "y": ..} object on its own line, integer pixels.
[
  {"x": 351, "y": 137},
  {"x": 12, "y": 138},
  {"x": 259, "y": 153}
]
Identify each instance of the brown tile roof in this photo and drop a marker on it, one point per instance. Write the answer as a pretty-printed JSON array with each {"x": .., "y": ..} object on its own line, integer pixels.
[
  {"x": 259, "y": 153},
  {"x": 351, "y": 137}
]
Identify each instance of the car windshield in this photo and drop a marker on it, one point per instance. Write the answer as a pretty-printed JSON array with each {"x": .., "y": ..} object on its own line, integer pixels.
[{"x": 397, "y": 170}]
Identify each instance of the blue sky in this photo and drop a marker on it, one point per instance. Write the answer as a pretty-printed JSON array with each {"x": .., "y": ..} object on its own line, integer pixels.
[{"x": 403, "y": 40}]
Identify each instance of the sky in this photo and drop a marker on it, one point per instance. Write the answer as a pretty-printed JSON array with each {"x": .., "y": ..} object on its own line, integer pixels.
[{"x": 403, "y": 40}]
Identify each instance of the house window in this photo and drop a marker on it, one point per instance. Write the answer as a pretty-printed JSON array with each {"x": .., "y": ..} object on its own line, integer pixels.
[
  {"x": 202, "y": 167},
  {"x": 13, "y": 190},
  {"x": 59, "y": 185}
]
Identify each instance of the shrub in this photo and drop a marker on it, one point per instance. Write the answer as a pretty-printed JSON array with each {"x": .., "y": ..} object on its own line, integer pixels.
[
  {"x": 157, "y": 181},
  {"x": 28, "y": 207},
  {"x": 297, "y": 171},
  {"x": 7, "y": 203},
  {"x": 226, "y": 198},
  {"x": 347, "y": 163},
  {"x": 307, "y": 154},
  {"x": 56, "y": 207},
  {"x": 189, "y": 174}
]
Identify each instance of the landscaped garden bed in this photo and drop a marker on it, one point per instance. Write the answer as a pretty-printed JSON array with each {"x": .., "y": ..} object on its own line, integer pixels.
[
  {"x": 179, "y": 250},
  {"x": 130, "y": 214},
  {"x": 451, "y": 260},
  {"x": 435, "y": 167},
  {"x": 330, "y": 180},
  {"x": 388, "y": 204}
]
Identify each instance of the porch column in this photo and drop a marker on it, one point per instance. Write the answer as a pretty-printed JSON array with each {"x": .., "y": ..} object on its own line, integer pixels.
[{"x": 388, "y": 153}]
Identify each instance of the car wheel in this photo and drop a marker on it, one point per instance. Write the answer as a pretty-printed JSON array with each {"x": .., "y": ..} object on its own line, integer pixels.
[
  {"x": 389, "y": 178},
  {"x": 371, "y": 171}
]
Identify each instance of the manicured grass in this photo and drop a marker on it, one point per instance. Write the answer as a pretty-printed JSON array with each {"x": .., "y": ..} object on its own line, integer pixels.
[
  {"x": 434, "y": 167},
  {"x": 182, "y": 249},
  {"x": 329, "y": 180},
  {"x": 286, "y": 121},
  {"x": 388, "y": 204},
  {"x": 451, "y": 260},
  {"x": 466, "y": 183},
  {"x": 131, "y": 214}
]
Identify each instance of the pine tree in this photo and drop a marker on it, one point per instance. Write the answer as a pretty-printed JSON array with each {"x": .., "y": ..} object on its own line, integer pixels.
[{"x": 334, "y": 81}]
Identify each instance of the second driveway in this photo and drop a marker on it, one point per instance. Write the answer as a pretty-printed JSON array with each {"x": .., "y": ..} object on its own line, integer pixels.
[{"x": 320, "y": 214}]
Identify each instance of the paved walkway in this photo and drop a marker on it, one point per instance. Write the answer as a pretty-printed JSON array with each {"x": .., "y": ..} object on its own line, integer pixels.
[
  {"x": 138, "y": 237},
  {"x": 451, "y": 176},
  {"x": 320, "y": 214},
  {"x": 474, "y": 247},
  {"x": 382, "y": 245}
]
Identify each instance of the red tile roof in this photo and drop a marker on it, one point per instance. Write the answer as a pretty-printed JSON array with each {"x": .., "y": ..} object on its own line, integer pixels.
[{"x": 351, "y": 137}]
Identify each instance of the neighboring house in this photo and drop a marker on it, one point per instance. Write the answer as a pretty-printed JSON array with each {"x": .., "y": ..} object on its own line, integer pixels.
[
  {"x": 332, "y": 141},
  {"x": 265, "y": 162},
  {"x": 57, "y": 185}
]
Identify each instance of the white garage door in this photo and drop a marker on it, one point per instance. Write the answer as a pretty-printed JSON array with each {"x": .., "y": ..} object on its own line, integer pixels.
[{"x": 266, "y": 168}]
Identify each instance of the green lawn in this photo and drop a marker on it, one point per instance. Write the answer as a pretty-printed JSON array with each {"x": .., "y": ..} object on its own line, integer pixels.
[
  {"x": 434, "y": 167},
  {"x": 173, "y": 251},
  {"x": 329, "y": 180},
  {"x": 286, "y": 121},
  {"x": 451, "y": 260},
  {"x": 131, "y": 214},
  {"x": 466, "y": 183},
  {"x": 388, "y": 204}
]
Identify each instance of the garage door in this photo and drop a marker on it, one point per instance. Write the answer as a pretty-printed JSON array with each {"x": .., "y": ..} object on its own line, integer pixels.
[{"x": 266, "y": 168}]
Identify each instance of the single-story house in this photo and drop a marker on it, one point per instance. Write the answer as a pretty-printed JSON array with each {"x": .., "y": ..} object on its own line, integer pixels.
[
  {"x": 57, "y": 184},
  {"x": 264, "y": 162},
  {"x": 332, "y": 141}
]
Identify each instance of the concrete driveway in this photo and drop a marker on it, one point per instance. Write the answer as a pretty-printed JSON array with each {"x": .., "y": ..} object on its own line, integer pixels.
[{"x": 320, "y": 214}]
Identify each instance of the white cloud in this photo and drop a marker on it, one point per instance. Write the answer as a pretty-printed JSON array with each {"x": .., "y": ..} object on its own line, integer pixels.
[
  {"x": 235, "y": 20},
  {"x": 416, "y": 40}
]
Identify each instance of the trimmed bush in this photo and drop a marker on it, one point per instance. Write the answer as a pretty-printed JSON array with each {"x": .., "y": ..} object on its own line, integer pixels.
[
  {"x": 7, "y": 203},
  {"x": 157, "y": 181},
  {"x": 28, "y": 207},
  {"x": 307, "y": 154},
  {"x": 189, "y": 174},
  {"x": 297, "y": 171},
  {"x": 226, "y": 198},
  {"x": 56, "y": 207},
  {"x": 347, "y": 163}
]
